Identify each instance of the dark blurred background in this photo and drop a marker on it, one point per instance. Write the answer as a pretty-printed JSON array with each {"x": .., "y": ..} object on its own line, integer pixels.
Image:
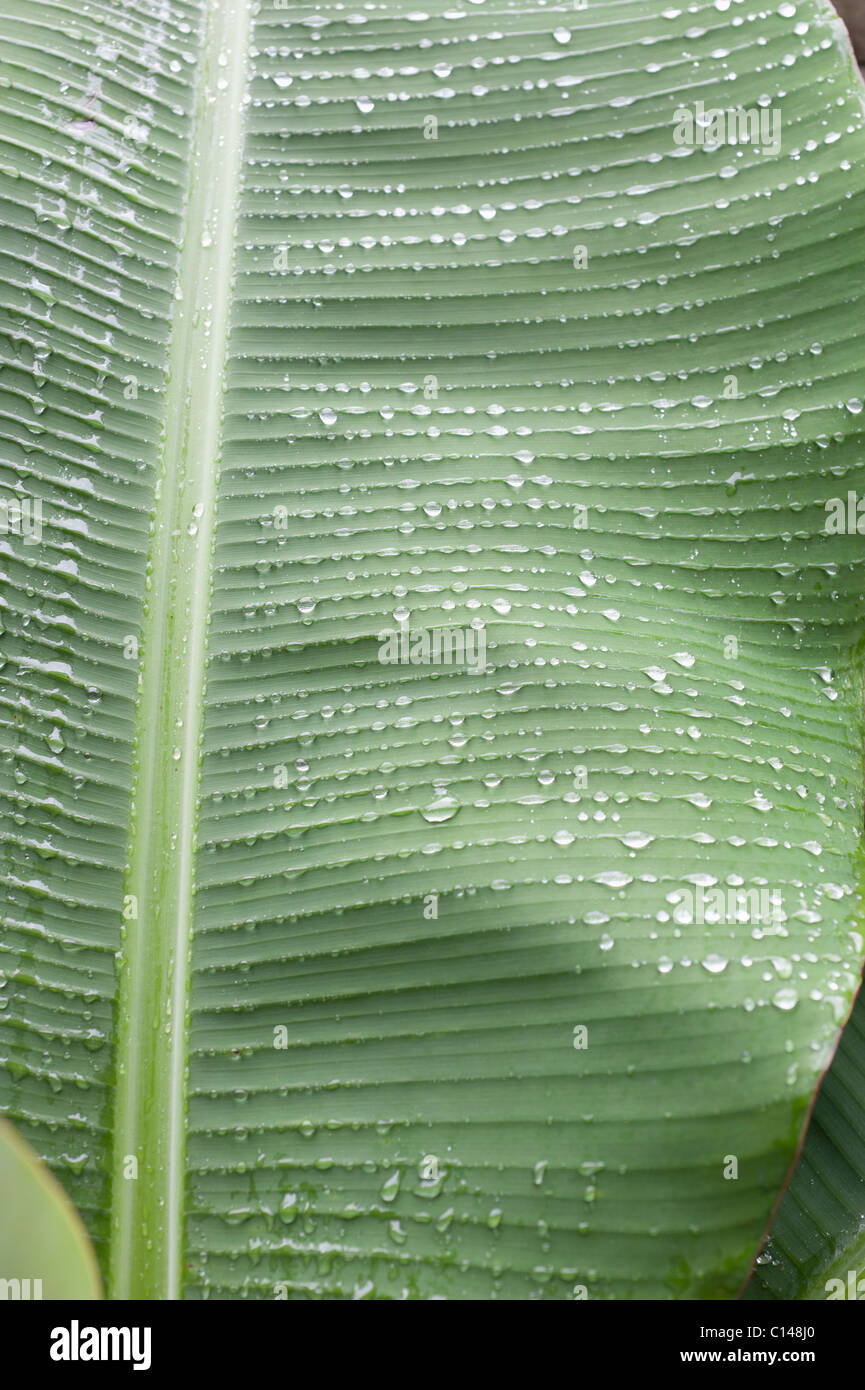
[{"x": 853, "y": 14}]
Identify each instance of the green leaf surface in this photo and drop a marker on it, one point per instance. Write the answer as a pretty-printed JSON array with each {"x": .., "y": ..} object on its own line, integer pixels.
[
  {"x": 44, "y": 1249},
  {"x": 818, "y": 1235},
  {"x": 298, "y": 941}
]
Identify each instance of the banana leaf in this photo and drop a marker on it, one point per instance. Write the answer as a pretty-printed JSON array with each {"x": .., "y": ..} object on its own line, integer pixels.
[{"x": 432, "y": 598}]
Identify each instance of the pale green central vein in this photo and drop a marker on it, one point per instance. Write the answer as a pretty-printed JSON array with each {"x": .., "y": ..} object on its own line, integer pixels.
[{"x": 147, "y": 1218}]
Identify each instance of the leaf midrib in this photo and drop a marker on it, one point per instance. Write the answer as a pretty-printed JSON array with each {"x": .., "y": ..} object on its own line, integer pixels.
[{"x": 147, "y": 1211}]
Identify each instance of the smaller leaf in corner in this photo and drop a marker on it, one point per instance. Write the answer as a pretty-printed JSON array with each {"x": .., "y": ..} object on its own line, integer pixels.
[{"x": 44, "y": 1249}]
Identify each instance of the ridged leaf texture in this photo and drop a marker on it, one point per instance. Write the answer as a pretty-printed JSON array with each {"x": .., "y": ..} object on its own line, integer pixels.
[{"x": 300, "y": 348}]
